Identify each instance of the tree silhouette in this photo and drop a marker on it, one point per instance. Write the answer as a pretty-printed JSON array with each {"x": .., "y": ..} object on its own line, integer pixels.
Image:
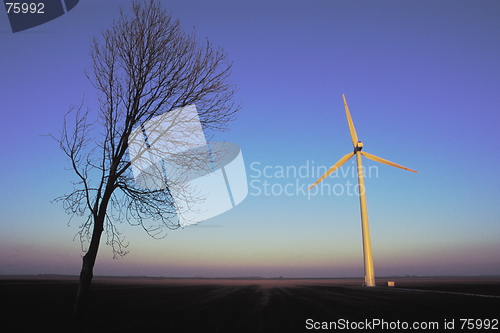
[{"x": 143, "y": 66}]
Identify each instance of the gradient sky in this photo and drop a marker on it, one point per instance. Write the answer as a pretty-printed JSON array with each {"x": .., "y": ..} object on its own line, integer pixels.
[{"x": 422, "y": 81}]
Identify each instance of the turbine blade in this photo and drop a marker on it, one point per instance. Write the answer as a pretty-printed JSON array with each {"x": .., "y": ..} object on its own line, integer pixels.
[
  {"x": 352, "y": 130},
  {"x": 333, "y": 168},
  {"x": 381, "y": 160}
]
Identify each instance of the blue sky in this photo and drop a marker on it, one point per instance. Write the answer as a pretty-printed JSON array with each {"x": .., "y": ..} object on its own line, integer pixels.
[{"x": 421, "y": 79}]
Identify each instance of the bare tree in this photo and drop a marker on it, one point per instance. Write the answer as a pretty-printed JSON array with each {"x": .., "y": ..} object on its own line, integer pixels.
[{"x": 144, "y": 66}]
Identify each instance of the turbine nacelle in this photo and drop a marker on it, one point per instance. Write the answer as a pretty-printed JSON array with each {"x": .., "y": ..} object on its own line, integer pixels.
[{"x": 359, "y": 146}]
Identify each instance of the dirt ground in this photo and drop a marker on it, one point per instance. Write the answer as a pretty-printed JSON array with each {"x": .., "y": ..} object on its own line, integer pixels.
[{"x": 260, "y": 305}]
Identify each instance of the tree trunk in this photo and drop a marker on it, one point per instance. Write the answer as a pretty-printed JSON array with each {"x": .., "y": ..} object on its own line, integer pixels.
[{"x": 86, "y": 273}]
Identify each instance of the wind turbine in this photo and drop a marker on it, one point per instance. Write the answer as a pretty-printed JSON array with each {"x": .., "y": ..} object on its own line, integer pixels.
[{"x": 358, "y": 146}]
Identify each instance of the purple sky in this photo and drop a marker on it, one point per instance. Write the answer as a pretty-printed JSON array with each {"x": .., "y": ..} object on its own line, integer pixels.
[{"x": 421, "y": 79}]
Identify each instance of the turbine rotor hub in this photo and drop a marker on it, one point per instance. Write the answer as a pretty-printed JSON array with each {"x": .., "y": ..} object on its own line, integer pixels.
[{"x": 359, "y": 146}]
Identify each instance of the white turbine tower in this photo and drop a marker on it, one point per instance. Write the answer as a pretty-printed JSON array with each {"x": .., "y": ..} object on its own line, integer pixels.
[{"x": 358, "y": 146}]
